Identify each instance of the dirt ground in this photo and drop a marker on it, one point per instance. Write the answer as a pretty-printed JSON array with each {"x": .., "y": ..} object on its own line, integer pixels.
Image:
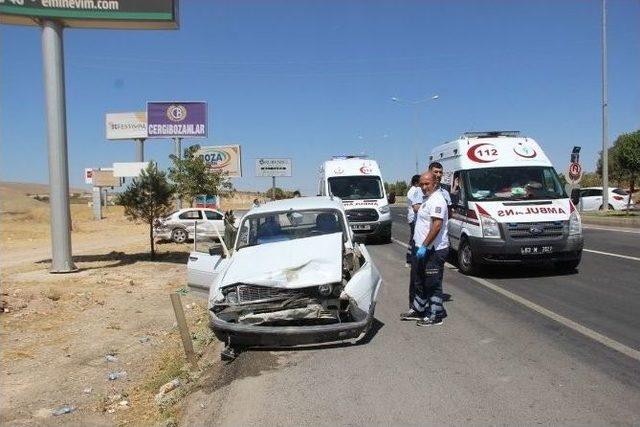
[{"x": 64, "y": 334}]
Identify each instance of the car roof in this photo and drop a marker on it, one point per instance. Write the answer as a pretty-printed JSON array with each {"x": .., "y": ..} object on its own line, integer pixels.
[
  {"x": 299, "y": 203},
  {"x": 194, "y": 208}
]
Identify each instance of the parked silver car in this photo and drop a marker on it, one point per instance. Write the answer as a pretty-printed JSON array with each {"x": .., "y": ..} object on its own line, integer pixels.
[
  {"x": 294, "y": 276},
  {"x": 181, "y": 225}
]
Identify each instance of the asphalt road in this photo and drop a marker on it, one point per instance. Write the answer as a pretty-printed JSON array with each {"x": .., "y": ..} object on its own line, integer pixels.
[{"x": 520, "y": 346}]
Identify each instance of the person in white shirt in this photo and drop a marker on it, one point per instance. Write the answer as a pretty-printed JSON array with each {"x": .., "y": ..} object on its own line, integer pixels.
[
  {"x": 414, "y": 200},
  {"x": 438, "y": 171},
  {"x": 427, "y": 266}
]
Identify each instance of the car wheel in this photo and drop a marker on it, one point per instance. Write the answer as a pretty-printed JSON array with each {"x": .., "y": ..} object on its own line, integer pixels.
[
  {"x": 610, "y": 207},
  {"x": 179, "y": 235},
  {"x": 466, "y": 261},
  {"x": 386, "y": 238}
]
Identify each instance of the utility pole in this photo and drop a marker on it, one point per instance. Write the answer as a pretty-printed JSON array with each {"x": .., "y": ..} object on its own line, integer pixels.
[
  {"x": 605, "y": 114},
  {"x": 55, "y": 108}
]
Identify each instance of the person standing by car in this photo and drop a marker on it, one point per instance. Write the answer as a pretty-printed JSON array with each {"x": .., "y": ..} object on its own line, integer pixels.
[
  {"x": 427, "y": 267},
  {"x": 414, "y": 200}
]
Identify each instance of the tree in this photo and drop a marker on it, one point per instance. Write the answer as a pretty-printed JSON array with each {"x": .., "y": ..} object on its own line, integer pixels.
[
  {"x": 627, "y": 157},
  {"x": 590, "y": 179},
  {"x": 279, "y": 192},
  {"x": 192, "y": 177},
  {"x": 401, "y": 188},
  {"x": 614, "y": 168},
  {"x": 148, "y": 197}
]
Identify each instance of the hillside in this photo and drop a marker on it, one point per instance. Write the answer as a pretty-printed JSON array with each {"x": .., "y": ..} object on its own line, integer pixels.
[{"x": 34, "y": 188}]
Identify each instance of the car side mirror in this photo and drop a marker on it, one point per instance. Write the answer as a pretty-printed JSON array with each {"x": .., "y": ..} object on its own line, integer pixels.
[{"x": 391, "y": 198}]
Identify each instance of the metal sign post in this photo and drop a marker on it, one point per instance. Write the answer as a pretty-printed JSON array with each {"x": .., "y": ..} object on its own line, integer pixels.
[
  {"x": 178, "y": 153},
  {"x": 273, "y": 188},
  {"x": 61, "y": 260},
  {"x": 273, "y": 168},
  {"x": 140, "y": 150},
  {"x": 52, "y": 17}
]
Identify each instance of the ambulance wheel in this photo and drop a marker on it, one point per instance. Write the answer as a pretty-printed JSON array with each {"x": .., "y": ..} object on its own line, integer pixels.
[
  {"x": 610, "y": 207},
  {"x": 179, "y": 235},
  {"x": 386, "y": 238},
  {"x": 466, "y": 261}
]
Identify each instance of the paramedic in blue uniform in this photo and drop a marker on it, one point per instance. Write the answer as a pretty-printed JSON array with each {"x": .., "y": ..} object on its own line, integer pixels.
[{"x": 427, "y": 267}]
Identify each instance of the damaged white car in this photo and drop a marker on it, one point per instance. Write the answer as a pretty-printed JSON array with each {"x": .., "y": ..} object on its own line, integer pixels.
[{"x": 295, "y": 276}]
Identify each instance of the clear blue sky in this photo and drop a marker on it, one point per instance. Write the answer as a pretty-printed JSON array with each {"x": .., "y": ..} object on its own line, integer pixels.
[{"x": 305, "y": 79}]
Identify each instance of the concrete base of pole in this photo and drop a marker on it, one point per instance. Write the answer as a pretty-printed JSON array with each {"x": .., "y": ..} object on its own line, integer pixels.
[{"x": 97, "y": 203}]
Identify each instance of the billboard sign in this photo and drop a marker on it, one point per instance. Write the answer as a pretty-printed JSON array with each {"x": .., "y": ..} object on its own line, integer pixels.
[
  {"x": 126, "y": 125},
  {"x": 88, "y": 175},
  {"x": 273, "y": 167},
  {"x": 128, "y": 169},
  {"x": 105, "y": 178},
  {"x": 223, "y": 158},
  {"x": 135, "y": 14},
  {"x": 204, "y": 201},
  {"x": 177, "y": 119}
]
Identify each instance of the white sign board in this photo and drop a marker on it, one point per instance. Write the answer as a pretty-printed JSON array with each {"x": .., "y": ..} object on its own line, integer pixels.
[
  {"x": 88, "y": 175},
  {"x": 129, "y": 169},
  {"x": 222, "y": 158},
  {"x": 273, "y": 167},
  {"x": 126, "y": 125}
]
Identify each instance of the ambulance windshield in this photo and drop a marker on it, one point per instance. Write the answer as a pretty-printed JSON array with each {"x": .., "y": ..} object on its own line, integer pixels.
[
  {"x": 356, "y": 187},
  {"x": 514, "y": 183}
]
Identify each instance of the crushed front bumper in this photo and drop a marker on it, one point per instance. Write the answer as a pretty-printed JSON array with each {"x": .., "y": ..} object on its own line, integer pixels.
[{"x": 285, "y": 336}]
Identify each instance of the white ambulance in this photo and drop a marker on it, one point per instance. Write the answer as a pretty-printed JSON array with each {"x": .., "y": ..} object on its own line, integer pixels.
[
  {"x": 357, "y": 181},
  {"x": 509, "y": 206}
]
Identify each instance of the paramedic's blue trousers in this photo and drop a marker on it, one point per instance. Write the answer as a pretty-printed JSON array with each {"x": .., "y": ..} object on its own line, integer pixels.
[{"x": 426, "y": 283}]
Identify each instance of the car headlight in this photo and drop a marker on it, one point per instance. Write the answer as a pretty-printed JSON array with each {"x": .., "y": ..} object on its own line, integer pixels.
[
  {"x": 384, "y": 209},
  {"x": 325, "y": 289},
  {"x": 490, "y": 227},
  {"x": 575, "y": 225}
]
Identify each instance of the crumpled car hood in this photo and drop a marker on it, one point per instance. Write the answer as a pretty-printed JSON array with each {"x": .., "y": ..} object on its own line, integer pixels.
[{"x": 290, "y": 264}]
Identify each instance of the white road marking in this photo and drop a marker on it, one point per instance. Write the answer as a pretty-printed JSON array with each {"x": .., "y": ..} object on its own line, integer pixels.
[
  {"x": 589, "y": 333},
  {"x": 621, "y": 230},
  {"x": 610, "y": 254}
]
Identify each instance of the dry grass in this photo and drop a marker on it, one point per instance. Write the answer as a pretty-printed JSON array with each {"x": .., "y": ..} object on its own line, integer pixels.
[{"x": 57, "y": 329}]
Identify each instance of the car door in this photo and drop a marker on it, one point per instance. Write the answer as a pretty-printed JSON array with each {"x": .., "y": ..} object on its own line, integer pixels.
[
  {"x": 215, "y": 219},
  {"x": 203, "y": 270},
  {"x": 588, "y": 200},
  {"x": 188, "y": 220},
  {"x": 595, "y": 199}
]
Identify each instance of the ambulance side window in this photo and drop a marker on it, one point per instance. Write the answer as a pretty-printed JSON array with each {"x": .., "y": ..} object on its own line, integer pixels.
[{"x": 458, "y": 195}]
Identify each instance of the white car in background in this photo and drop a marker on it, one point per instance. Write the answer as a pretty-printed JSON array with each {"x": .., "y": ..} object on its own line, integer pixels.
[
  {"x": 181, "y": 225},
  {"x": 590, "y": 199},
  {"x": 294, "y": 276}
]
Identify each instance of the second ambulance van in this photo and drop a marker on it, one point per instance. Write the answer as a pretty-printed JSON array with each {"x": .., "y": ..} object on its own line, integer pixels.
[{"x": 509, "y": 206}]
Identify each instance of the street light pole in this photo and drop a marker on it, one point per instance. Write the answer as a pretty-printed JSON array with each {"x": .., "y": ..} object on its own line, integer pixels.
[
  {"x": 416, "y": 121},
  {"x": 605, "y": 113}
]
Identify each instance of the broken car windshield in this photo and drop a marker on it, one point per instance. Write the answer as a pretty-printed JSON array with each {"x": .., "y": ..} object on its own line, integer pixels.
[{"x": 289, "y": 225}]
